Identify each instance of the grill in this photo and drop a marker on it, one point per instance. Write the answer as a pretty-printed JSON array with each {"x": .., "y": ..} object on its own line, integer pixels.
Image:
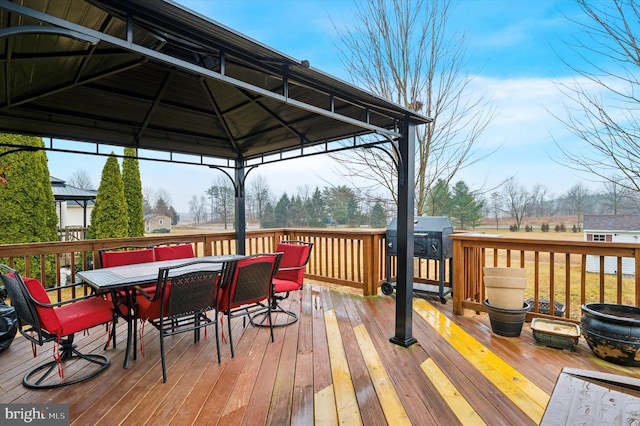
[{"x": 430, "y": 241}]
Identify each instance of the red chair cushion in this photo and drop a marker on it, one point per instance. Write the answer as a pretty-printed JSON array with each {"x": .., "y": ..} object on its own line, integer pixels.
[
  {"x": 84, "y": 314},
  {"x": 294, "y": 255},
  {"x": 126, "y": 257},
  {"x": 282, "y": 286},
  {"x": 48, "y": 318},
  {"x": 150, "y": 309},
  {"x": 179, "y": 251}
]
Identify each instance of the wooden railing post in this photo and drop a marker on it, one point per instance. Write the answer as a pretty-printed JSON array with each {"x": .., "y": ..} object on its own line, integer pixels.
[
  {"x": 459, "y": 285},
  {"x": 371, "y": 263}
]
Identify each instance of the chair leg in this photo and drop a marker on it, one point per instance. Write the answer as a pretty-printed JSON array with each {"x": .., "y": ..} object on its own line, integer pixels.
[
  {"x": 218, "y": 336},
  {"x": 164, "y": 367},
  {"x": 230, "y": 337},
  {"x": 270, "y": 321}
]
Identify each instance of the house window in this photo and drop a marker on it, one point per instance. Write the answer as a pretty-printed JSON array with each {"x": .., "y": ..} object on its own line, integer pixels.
[
  {"x": 161, "y": 222},
  {"x": 599, "y": 237}
]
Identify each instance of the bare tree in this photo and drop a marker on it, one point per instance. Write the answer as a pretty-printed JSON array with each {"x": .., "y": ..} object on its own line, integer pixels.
[
  {"x": 601, "y": 103},
  {"x": 616, "y": 197},
  {"x": 148, "y": 200},
  {"x": 517, "y": 200},
  {"x": 259, "y": 194},
  {"x": 198, "y": 209},
  {"x": 222, "y": 194},
  {"x": 577, "y": 197},
  {"x": 81, "y": 179},
  {"x": 495, "y": 207},
  {"x": 402, "y": 50}
]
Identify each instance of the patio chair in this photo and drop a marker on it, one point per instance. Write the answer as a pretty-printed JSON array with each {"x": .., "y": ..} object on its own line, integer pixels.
[
  {"x": 288, "y": 278},
  {"x": 123, "y": 301},
  {"x": 243, "y": 288},
  {"x": 173, "y": 250},
  {"x": 180, "y": 302},
  {"x": 40, "y": 323}
]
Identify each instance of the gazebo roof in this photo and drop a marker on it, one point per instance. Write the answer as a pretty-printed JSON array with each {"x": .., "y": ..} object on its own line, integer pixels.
[
  {"x": 64, "y": 192},
  {"x": 151, "y": 74}
]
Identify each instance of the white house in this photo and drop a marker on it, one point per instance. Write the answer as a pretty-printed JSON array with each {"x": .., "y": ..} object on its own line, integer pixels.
[{"x": 611, "y": 228}]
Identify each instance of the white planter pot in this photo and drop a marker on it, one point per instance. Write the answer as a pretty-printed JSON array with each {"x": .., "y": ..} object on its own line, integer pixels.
[
  {"x": 505, "y": 290},
  {"x": 504, "y": 272}
]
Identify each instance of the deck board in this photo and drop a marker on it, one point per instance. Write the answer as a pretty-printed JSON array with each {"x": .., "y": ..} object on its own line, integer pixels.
[{"x": 290, "y": 381}]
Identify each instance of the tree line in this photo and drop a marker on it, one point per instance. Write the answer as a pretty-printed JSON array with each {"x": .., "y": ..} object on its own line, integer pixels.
[{"x": 337, "y": 205}]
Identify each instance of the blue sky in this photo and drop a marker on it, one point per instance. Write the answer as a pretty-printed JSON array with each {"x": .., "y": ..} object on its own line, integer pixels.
[{"x": 510, "y": 50}]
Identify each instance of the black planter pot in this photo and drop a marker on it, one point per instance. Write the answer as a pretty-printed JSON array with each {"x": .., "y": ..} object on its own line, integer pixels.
[
  {"x": 507, "y": 322},
  {"x": 613, "y": 332}
]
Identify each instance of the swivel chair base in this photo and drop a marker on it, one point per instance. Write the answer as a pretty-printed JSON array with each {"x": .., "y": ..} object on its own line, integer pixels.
[
  {"x": 37, "y": 377},
  {"x": 260, "y": 319}
]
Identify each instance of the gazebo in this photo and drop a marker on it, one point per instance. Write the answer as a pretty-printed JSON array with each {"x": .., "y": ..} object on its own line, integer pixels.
[
  {"x": 179, "y": 87},
  {"x": 68, "y": 193}
]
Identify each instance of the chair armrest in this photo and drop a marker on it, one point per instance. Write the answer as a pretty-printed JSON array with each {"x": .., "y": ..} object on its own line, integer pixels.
[
  {"x": 145, "y": 294},
  {"x": 292, "y": 268},
  {"x": 64, "y": 302}
]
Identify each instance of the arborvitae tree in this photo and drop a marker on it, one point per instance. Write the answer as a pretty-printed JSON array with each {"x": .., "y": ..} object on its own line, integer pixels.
[
  {"x": 28, "y": 212},
  {"x": 133, "y": 192},
  {"x": 109, "y": 217},
  {"x": 378, "y": 216}
]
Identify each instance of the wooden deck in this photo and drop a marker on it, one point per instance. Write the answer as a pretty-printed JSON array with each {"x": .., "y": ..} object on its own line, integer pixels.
[{"x": 335, "y": 365}]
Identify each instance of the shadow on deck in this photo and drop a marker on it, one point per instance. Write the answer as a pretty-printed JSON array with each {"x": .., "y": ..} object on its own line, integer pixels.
[{"x": 335, "y": 365}]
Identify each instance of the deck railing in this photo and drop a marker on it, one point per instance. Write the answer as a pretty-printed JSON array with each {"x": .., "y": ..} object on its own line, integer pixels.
[
  {"x": 557, "y": 270},
  {"x": 352, "y": 258}
]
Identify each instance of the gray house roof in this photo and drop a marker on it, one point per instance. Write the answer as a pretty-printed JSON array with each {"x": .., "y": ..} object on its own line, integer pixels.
[{"x": 612, "y": 222}]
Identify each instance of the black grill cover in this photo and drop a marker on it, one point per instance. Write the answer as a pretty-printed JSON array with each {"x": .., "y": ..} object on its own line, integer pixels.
[{"x": 430, "y": 236}]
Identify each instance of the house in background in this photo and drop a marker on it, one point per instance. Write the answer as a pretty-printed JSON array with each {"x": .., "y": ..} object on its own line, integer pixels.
[
  {"x": 624, "y": 228},
  {"x": 73, "y": 205},
  {"x": 157, "y": 223}
]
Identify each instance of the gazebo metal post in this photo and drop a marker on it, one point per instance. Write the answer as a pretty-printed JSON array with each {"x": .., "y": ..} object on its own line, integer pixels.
[
  {"x": 240, "y": 213},
  {"x": 404, "y": 283}
]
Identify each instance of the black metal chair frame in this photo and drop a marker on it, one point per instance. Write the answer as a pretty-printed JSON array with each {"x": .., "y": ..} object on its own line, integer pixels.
[
  {"x": 123, "y": 303},
  {"x": 248, "y": 282},
  {"x": 259, "y": 319},
  {"x": 29, "y": 326},
  {"x": 189, "y": 299}
]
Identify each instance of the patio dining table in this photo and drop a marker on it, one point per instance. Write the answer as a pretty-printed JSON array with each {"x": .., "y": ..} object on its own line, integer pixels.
[{"x": 125, "y": 278}]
